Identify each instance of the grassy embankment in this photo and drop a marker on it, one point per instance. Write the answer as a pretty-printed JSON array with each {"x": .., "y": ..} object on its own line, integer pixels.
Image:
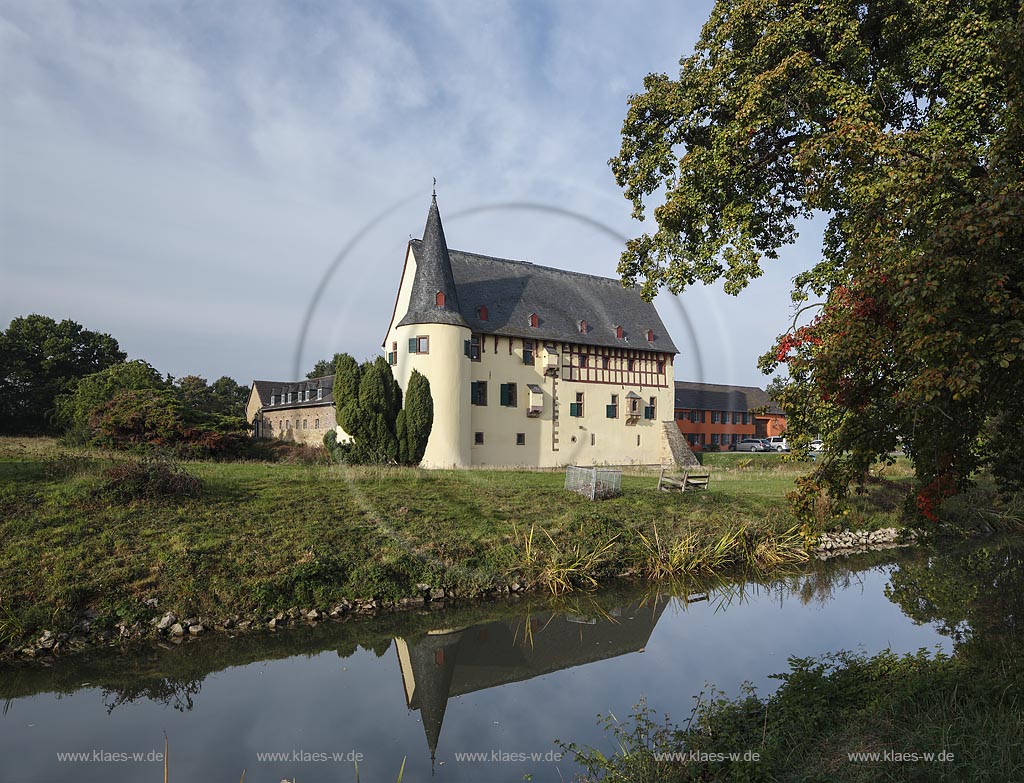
[{"x": 262, "y": 537}]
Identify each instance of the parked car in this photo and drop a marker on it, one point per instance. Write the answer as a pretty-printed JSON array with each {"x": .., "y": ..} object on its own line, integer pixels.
[
  {"x": 777, "y": 443},
  {"x": 816, "y": 445},
  {"x": 748, "y": 444}
]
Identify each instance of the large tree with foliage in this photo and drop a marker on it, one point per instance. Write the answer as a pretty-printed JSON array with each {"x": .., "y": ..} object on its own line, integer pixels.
[
  {"x": 84, "y": 396},
  {"x": 39, "y": 357},
  {"x": 902, "y": 123}
]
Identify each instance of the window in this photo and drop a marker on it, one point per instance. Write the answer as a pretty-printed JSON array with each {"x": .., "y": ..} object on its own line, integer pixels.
[
  {"x": 725, "y": 417},
  {"x": 508, "y": 395},
  {"x": 650, "y": 335},
  {"x": 746, "y": 418},
  {"x": 612, "y": 409},
  {"x": 618, "y": 332},
  {"x": 534, "y": 320},
  {"x": 393, "y": 355},
  {"x": 419, "y": 345},
  {"x": 481, "y": 312},
  {"x": 289, "y": 424},
  {"x": 520, "y": 438},
  {"x": 714, "y": 439},
  {"x": 735, "y": 437},
  {"x": 309, "y": 394},
  {"x": 703, "y": 440},
  {"x": 629, "y": 364},
  {"x": 439, "y": 299},
  {"x": 316, "y": 426},
  {"x": 576, "y": 408},
  {"x": 478, "y": 392},
  {"x": 661, "y": 366},
  {"x": 478, "y": 438},
  {"x": 681, "y": 415},
  {"x": 583, "y": 359},
  {"x": 583, "y": 327},
  {"x": 304, "y": 423},
  {"x": 474, "y": 348},
  {"x": 320, "y": 393},
  {"x": 273, "y": 399},
  {"x": 605, "y": 361},
  {"x": 650, "y": 409},
  {"x": 714, "y": 417},
  {"x": 593, "y": 439},
  {"x": 527, "y": 351}
]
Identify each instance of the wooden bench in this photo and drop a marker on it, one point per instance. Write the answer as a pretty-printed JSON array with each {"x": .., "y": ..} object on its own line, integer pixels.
[{"x": 691, "y": 479}]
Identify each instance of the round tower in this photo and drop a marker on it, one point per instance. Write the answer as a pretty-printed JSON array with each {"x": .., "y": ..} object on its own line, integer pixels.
[{"x": 432, "y": 338}]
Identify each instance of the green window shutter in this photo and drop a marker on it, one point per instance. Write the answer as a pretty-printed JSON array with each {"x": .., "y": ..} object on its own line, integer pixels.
[
  {"x": 609, "y": 411},
  {"x": 574, "y": 409},
  {"x": 465, "y": 347},
  {"x": 504, "y": 394},
  {"x": 412, "y": 345},
  {"x": 648, "y": 412}
]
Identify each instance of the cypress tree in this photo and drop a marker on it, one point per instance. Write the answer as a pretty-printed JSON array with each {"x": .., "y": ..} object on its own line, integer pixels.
[{"x": 419, "y": 417}]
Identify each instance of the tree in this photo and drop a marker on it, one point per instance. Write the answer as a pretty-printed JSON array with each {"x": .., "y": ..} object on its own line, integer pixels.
[
  {"x": 902, "y": 123},
  {"x": 194, "y": 392},
  {"x": 418, "y": 418},
  {"x": 228, "y": 397},
  {"x": 326, "y": 367},
  {"x": 346, "y": 395},
  {"x": 86, "y": 395},
  {"x": 380, "y": 400},
  {"x": 39, "y": 357}
]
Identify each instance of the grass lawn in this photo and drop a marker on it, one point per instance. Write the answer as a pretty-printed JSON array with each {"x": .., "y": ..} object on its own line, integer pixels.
[{"x": 262, "y": 537}]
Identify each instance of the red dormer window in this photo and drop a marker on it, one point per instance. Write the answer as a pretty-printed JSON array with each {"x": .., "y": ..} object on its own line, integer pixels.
[
  {"x": 650, "y": 335},
  {"x": 618, "y": 332},
  {"x": 534, "y": 320},
  {"x": 439, "y": 299},
  {"x": 583, "y": 327},
  {"x": 481, "y": 312}
]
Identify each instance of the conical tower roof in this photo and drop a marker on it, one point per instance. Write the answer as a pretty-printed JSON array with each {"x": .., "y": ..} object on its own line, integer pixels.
[{"x": 433, "y": 277}]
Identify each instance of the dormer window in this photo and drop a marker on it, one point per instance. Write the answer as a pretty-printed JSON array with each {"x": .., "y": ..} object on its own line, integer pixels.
[
  {"x": 534, "y": 320},
  {"x": 320, "y": 393},
  {"x": 273, "y": 399},
  {"x": 439, "y": 299},
  {"x": 618, "y": 332},
  {"x": 650, "y": 335},
  {"x": 583, "y": 327},
  {"x": 481, "y": 312}
]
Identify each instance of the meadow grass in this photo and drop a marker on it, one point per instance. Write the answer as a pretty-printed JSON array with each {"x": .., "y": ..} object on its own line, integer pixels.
[{"x": 269, "y": 536}]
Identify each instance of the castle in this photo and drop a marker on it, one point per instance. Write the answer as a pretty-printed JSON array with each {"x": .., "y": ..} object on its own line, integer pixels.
[{"x": 528, "y": 365}]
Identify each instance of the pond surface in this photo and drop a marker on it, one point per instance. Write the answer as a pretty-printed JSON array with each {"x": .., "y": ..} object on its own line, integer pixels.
[{"x": 505, "y": 681}]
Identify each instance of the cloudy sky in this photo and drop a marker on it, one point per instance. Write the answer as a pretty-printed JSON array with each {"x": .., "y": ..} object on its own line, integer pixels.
[{"x": 184, "y": 175}]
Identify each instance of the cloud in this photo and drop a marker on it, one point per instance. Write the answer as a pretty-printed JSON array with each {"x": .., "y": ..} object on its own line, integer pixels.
[{"x": 173, "y": 172}]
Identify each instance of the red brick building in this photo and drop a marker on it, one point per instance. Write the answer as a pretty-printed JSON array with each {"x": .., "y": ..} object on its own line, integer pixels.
[{"x": 713, "y": 416}]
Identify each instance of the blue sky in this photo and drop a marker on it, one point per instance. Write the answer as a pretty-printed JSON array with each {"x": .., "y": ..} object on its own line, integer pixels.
[{"x": 182, "y": 175}]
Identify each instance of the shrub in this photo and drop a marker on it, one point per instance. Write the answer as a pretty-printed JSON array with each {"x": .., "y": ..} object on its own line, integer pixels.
[{"x": 150, "y": 479}]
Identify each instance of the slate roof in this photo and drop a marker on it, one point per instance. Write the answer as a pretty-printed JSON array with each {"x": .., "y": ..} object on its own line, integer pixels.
[
  {"x": 722, "y": 397},
  {"x": 267, "y": 388},
  {"x": 512, "y": 291},
  {"x": 433, "y": 276}
]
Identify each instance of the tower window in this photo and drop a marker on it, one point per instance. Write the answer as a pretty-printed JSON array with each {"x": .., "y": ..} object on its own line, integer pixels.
[
  {"x": 478, "y": 438},
  {"x": 520, "y": 438},
  {"x": 439, "y": 299}
]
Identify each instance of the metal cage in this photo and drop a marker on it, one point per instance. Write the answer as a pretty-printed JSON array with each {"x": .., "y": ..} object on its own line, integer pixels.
[{"x": 593, "y": 483}]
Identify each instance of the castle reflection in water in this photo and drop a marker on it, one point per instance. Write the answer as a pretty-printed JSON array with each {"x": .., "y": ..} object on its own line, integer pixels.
[{"x": 456, "y": 661}]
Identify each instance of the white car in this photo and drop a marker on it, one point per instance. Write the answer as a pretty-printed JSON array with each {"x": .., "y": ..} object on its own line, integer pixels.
[
  {"x": 778, "y": 443},
  {"x": 815, "y": 445}
]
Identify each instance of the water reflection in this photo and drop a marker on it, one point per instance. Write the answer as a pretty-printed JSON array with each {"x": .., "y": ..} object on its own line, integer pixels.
[
  {"x": 428, "y": 684},
  {"x": 455, "y": 661}
]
